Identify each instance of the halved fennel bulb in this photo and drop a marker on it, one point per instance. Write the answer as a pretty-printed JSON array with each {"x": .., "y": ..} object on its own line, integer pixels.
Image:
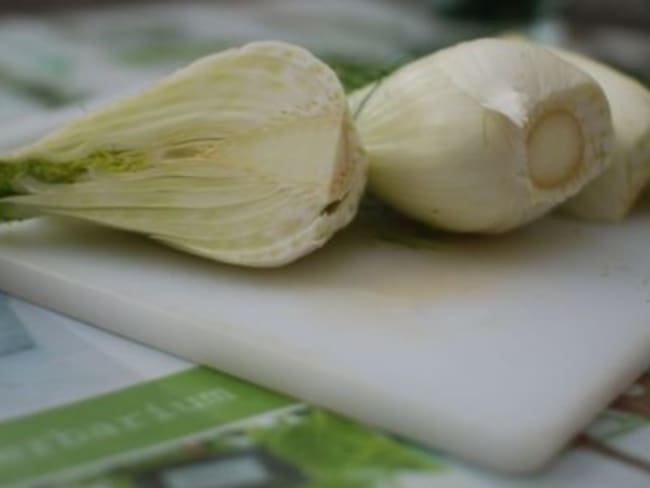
[
  {"x": 248, "y": 156},
  {"x": 613, "y": 194},
  {"x": 483, "y": 136}
]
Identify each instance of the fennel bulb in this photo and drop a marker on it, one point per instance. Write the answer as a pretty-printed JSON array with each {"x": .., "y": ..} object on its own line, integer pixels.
[
  {"x": 247, "y": 156},
  {"x": 483, "y": 136}
]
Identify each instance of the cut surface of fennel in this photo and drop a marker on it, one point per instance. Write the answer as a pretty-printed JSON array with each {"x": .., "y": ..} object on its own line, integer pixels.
[
  {"x": 248, "y": 156},
  {"x": 483, "y": 136}
]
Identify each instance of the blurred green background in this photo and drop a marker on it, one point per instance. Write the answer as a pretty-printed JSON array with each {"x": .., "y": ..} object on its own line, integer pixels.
[{"x": 61, "y": 53}]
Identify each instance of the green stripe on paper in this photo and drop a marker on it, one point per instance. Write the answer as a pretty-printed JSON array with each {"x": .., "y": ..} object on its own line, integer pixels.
[{"x": 161, "y": 410}]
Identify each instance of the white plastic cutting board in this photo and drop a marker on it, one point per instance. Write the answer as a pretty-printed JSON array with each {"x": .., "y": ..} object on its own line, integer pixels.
[{"x": 495, "y": 349}]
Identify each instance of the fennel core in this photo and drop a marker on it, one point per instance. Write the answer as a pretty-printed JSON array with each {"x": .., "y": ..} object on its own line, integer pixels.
[
  {"x": 18, "y": 174},
  {"x": 14, "y": 174}
]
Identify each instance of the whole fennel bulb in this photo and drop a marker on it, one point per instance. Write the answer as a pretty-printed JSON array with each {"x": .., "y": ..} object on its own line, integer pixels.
[{"x": 483, "y": 136}]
